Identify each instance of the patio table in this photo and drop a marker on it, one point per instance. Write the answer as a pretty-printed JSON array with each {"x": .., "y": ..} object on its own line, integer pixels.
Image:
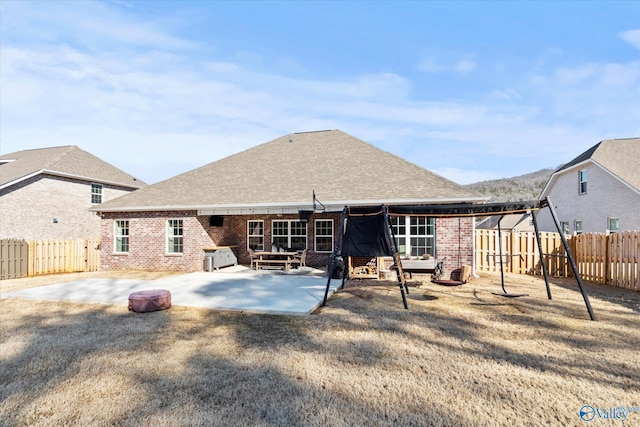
[{"x": 274, "y": 259}]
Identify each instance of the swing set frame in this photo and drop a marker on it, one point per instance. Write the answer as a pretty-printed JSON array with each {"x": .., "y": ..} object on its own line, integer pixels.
[{"x": 347, "y": 243}]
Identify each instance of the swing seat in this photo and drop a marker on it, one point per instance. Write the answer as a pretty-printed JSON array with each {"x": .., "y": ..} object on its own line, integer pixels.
[
  {"x": 446, "y": 282},
  {"x": 510, "y": 295}
]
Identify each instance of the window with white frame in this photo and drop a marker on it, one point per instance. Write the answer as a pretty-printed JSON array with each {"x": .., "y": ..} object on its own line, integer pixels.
[
  {"x": 399, "y": 226},
  {"x": 290, "y": 235},
  {"x": 323, "y": 235},
  {"x": 613, "y": 225},
  {"x": 255, "y": 235},
  {"x": 415, "y": 235},
  {"x": 582, "y": 178},
  {"x": 121, "y": 234},
  {"x": 577, "y": 226},
  {"x": 564, "y": 226},
  {"x": 175, "y": 236},
  {"x": 96, "y": 193}
]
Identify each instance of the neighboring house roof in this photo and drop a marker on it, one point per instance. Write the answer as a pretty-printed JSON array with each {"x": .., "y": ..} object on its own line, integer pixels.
[
  {"x": 619, "y": 157},
  {"x": 67, "y": 161},
  {"x": 509, "y": 222},
  {"x": 280, "y": 176}
]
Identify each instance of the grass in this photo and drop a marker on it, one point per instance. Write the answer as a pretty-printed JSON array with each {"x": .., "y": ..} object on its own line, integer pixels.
[{"x": 459, "y": 356}]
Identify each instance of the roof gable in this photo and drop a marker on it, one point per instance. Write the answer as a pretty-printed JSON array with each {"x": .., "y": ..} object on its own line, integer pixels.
[
  {"x": 620, "y": 157},
  {"x": 581, "y": 158},
  {"x": 285, "y": 171},
  {"x": 617, "y": 156},
  {"x": 507, "y": 222},
  {"x": 70, "y": 161}
]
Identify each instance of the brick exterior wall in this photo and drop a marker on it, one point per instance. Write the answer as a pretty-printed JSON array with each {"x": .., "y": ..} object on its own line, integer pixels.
[
  {"x": 314, "y": 259},
  {"x": 27, "y": 209},
  {"x": 454, "y": 242},
  {"x": 148, "y": 240},
  {"x": 606, "y": 197}
]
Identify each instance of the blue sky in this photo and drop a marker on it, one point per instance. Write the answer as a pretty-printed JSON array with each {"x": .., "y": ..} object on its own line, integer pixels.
[{"x": 469, "y": 90}]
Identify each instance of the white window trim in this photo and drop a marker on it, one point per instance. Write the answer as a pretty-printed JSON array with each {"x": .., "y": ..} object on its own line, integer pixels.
[
  {"x": 261, "y": 235},
  {"x": 289, "y": 235},
  {"x": 116, "y": 235},
  {"x": 101, "y": 194},
  {"x": 407, "y": 236},
  {"x": 315, "y": 235},
  {"x": 575, "y": 226},
  {"x": 581, "y": 181},
  {"x": 166, "y": 239}
]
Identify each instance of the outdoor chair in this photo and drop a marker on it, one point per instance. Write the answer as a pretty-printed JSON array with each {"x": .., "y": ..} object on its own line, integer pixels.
[
  {"x": 299, "y": 260},
  {"x": 254, "y": 258}
]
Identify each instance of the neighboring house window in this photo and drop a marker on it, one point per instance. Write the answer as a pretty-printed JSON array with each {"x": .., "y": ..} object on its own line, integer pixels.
[
  {"x": 175, "y": 235},
  {"x": 324, "y": 235},
  {"x": 289, "y": 234},
  {"x": 122, "y": 236},
  {"x": 564, "y": 226},
  {"x": 582, "y": 177},
  {"x": 96, "y": 193},
  {"x": 255, "y": 232},
  {"x": 613, "y": 225},
  {"x": 415, "y": 235},
  {"x": 578, "y": 226}
]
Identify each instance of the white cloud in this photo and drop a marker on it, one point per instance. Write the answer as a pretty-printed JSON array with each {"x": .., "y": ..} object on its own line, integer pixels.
[
  {"x": 465, "y": 66},
  {"x": 151, "y": 107},
  {"x": 151, "y": 103},
  {"x": 505, "y": 94},
  {"x": 576, "y": 75},
  {"x": 632, "y": 37},
  {"x": 90, "y": 24},
  {"x": 462, "y": 67}
]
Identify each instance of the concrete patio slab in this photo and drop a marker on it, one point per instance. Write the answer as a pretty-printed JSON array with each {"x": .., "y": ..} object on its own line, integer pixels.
[{"x": 236, "y": 288}]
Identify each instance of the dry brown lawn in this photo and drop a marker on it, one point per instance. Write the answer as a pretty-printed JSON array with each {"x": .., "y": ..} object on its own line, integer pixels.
[{"x": 460, "y": 356}]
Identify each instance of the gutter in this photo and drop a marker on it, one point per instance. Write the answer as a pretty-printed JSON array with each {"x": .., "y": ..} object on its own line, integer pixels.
[
  {"x": 69, "y": 175},
  {"x": 281, "y": 207}
]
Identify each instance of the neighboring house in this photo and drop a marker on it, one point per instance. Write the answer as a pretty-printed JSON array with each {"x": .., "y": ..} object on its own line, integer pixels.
[
  {"x": 46, "y": 193},
  {"x": 598, "y": 191},
  {"x": 252, "y": 199},
  {"x": 514, "y": 222}
]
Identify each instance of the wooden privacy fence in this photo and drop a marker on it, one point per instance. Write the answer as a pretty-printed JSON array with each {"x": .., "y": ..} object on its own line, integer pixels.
[
  {"x": 520, "y": 253},
  {"x": 611, "y": 259},
  {"x": 13, "y": 258},
  {"x": 49, "y": 256}
]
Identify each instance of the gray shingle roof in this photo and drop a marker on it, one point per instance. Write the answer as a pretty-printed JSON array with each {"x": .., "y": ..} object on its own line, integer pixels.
[
  {"x": 68, "y": 160},
  {"x": 285, "y": 172},
  {"x": 618, "y": 156},
  {"x": 508, "y": 222}
]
